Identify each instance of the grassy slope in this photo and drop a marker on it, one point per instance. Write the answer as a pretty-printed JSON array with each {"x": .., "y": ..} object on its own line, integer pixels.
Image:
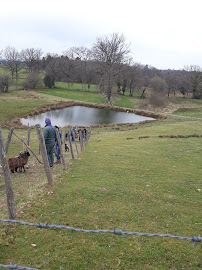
[{"x": 149, "y": 184}]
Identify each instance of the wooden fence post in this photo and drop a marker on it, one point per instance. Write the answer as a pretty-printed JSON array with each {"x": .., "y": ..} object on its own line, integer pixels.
[
  {"x": 9, "y": 140},
  {"x": 7, "y": 178},
  {"x": 65, "y": 136},
  {"x": 82, "y": 140},
  {"x": 70, "y": 145},
  {"x": 44, "y": 154},
  {"x": 85, "y": 138},
  {"x": 60, "y": 146},
  {"x": 80, "y": 137},
  {"x": 28, "y": 135},
  {"x": 75, "y": 144}
]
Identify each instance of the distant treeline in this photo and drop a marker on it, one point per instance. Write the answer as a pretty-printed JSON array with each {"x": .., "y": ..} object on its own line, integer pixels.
[{"x": 108, "y": 65}]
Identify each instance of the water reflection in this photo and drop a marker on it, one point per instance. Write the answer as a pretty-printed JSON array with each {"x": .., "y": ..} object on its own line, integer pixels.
[{"x": 84, "y": 116}]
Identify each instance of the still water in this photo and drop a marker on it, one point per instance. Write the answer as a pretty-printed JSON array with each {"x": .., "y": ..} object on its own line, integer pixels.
[{"x": 83, "y": 116}]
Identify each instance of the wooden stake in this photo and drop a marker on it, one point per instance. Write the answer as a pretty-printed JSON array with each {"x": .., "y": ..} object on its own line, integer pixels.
[
  {"x": 60, "y": 146},
  {"x": 70, "y": 145},
  {"x": 8, "y": 140},
  {"x": 28, "y": 135},
  {"x": 80, "y": 135},
  {"x": 44, "y": 154},
  {"x": 75, "y": 144},
  {"x": 7, "y": 178}
]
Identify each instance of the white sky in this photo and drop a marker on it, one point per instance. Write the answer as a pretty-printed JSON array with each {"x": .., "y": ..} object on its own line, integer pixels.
[{"x": 162, "y": 33}]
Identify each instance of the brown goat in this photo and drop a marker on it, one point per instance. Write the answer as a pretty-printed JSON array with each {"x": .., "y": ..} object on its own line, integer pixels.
[{"x": 18, "y": 162}]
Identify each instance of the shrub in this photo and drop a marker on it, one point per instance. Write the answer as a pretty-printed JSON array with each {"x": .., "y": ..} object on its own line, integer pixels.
[
  {"x": 48, "y": 81},
  {"x": 4, "y": 82},
  {"x": 157, "y": 100},
  {"x": 32, "y": 81}
]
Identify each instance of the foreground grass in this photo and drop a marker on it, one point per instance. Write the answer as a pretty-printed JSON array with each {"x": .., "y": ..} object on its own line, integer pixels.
[{"x": 149, "y": 184}]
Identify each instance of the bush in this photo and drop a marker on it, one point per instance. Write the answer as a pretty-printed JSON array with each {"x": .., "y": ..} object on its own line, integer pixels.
[
  {"x": 48, "y": 81},
  {"x": 32, "y": 81},
  {"x": 157, "y": 100},
  {"x": 4, "y": 82}
]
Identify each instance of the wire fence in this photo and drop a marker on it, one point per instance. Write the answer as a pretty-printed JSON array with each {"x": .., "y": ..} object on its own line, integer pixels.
[
  {"x": 14, "y": 266},
  {"x": 114, "y": 231}
]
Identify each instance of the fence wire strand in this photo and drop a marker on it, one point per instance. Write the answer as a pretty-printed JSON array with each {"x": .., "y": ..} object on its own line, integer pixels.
[
  {"x": 114, "y": 231},
  {"x": 14, "y": 266}
]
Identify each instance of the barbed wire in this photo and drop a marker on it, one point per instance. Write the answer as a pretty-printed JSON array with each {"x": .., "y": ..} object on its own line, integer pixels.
[
  {"x": 114, "y": 231},
  {"x": 14, "y": 266}
]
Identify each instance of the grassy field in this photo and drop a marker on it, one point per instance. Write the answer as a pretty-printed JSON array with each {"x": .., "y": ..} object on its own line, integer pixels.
[
  {"x": 189, "y": 112},
  {"x": 150, "y": 185},
  {"x": 138, "y": 175}
]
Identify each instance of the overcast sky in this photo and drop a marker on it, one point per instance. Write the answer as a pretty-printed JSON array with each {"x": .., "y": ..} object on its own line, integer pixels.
[{"x": 163, "y": 33}]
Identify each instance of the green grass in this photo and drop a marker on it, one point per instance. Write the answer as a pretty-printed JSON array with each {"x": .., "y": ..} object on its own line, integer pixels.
[
  {"x": 93, "y": 97},
  {"x": 74, "y": 95},
  {"x": 75, "y": 86},
  {"x": 189, "y": 112},
  {"x": 190, "y": 100},
  {"x": 150, "y": 185},
  {"x": 18, "y": 104}
]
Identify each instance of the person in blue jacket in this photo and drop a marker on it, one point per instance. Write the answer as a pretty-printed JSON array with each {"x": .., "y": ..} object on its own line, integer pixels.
[
  {"x": 50, "y": 139},
  {"x": 57, "y": 148}
]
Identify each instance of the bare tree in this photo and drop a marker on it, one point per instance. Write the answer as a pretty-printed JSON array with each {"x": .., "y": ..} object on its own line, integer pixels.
[
  {"x": 110, "y": 52},
  {"x": 82, "y": 56},
  {"x": 32, "y": 59},
  {"x": 158, "y": 85},
  {"x": 195, "y": 80},
  {"x": 70, "y": 64},
  {"x": 145, "y": 75},
  {"x": 171, "y": 80},
  {"x": 13, "y": 63},
  {"x": 53, "y": 66},
  {"x": 131, "y": 75}
]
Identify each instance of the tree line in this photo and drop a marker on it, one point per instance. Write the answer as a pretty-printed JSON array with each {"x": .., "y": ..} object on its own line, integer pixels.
[{"x": 108, "y": 65}]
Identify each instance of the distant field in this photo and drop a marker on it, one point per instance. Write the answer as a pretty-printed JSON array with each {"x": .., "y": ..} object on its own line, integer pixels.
[
  {"x": 74, "y": 95},
  {"x": 75, "y": 86},
  {"x": 189, "y": 112}
]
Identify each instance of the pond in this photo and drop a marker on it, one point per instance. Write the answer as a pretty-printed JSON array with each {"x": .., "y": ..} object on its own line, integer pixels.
[{"x": 83, "y": 116}]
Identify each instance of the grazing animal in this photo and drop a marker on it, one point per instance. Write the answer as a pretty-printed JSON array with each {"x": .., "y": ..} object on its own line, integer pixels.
[
  {"x": 66, "y": 148},
  {"x": 18, "y": 162}
]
